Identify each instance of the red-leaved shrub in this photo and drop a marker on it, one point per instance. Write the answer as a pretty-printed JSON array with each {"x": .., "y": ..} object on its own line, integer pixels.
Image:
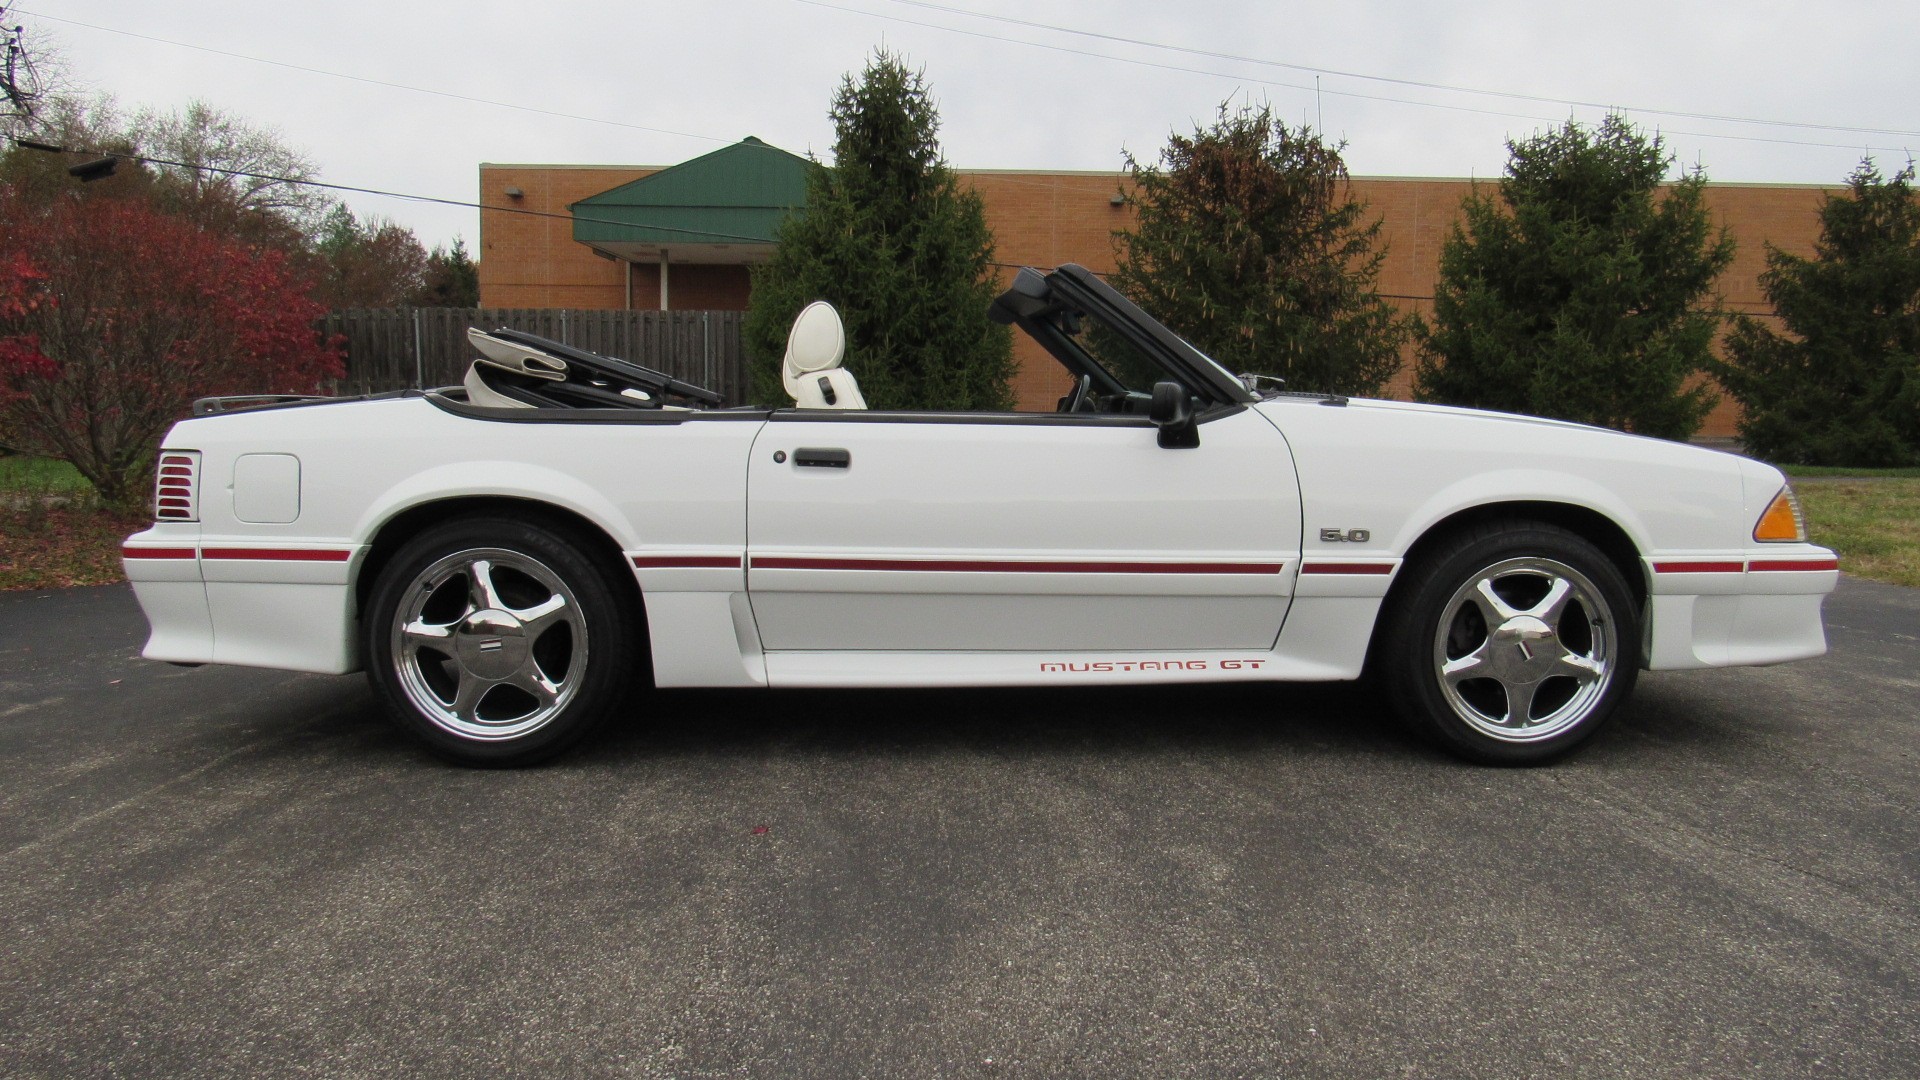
[{"x": 114, "y": 317}]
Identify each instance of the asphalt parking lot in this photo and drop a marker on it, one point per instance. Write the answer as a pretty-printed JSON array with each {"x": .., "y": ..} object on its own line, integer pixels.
[{"x": 219, "y": 872}]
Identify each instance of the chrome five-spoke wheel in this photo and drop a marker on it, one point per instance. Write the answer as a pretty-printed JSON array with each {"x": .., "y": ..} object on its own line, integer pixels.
[
  {"x": 1510, "y": 641},
  {"x": 1524, "y": 649},
  {"x": 490, "y": 644},
  {"x": 502, "y": 642}
]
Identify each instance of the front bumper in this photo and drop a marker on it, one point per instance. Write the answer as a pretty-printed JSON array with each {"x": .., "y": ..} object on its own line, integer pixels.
[{"x": 1726, "y": 610}]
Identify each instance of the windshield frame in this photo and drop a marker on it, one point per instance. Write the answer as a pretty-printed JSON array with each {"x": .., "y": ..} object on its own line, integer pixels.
[{"x": 1035, "y": 297}]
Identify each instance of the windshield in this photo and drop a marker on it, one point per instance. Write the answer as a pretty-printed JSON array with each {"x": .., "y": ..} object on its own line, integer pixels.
[
  {"x": 1104, "y": 339},
  {"x": 1127, "y": 367}
]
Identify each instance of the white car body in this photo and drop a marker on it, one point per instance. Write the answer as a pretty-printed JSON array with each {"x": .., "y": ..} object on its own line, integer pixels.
[
  {"x": 962, "y": 549},
  {"x": 968, "y": 552}
]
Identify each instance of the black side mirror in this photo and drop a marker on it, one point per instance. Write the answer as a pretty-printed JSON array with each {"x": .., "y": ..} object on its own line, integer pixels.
[{"x": 1172, "y": 413}]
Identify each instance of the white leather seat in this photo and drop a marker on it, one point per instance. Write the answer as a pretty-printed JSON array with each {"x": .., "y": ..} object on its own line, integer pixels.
[{"x": 811, "y": 371}]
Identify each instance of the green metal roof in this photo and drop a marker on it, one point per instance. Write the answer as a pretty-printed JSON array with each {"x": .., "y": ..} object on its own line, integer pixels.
[{"x": 735, "y": 195}]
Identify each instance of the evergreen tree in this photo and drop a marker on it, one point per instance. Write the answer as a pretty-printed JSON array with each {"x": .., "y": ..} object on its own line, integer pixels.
[
  {"x": 1580, "y": 291},
  {"x": 1248, "y": 244},
  {"x": 452, "y": 279},
  {"x": 1842, "y": 387},
  {"x": 890, "y": 238}
]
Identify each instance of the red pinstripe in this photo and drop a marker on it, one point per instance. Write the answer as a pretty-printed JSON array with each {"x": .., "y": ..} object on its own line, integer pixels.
[
  {"x": 277, "y": 554},
  {"x": 1010, "y": 566},
  {"x": 155, "y": 553},
  {"x": 1700, "y": 567},
  {"x": 1794, "y": 564},
  {"x": 658, "y": 562}
]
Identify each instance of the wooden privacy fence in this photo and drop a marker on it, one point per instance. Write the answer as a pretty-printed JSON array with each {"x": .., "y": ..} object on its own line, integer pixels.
[{"x": 397, "y": 348}]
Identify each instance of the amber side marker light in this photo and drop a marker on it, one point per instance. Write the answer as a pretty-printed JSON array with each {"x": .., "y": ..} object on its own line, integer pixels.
[{"x": 1782, "y": 523}]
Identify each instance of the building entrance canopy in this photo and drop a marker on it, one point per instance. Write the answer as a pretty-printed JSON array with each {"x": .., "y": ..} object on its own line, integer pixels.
[{"x": 724, "y": 208}]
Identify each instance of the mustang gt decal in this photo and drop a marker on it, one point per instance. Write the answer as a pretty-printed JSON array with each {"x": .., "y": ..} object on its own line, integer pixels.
[{"x": 1151, "y": 665}]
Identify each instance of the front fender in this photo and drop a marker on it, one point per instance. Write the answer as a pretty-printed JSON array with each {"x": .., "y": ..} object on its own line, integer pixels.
[{"x": 1519, "y": 486}]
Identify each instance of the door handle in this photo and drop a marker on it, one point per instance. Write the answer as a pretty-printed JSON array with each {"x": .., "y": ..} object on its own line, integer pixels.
[{"x": 816, "y": 457}]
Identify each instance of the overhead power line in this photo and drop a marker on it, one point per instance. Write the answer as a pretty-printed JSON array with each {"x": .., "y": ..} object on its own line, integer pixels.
[
  {"x": 451, "y": 95},
  {"x": 535, "y": 110},
  {"x": 1135, "y": 61},
  {"x": 149, "y": 159},
  {"x": 1417, "y": 83}
]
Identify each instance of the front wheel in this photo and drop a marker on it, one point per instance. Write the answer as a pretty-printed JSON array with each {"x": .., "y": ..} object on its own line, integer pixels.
[
  {"x": 1512, "y": 643},
  {"x": 498, "y": 642}
]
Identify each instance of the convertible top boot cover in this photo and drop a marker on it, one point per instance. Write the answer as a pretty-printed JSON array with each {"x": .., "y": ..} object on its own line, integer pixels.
[
  {"x": 496, "y": 356},
  {"x": 515, "y": 357},
  {"x": 811, "y": 370},
  {"x": 479, "y": 393}
]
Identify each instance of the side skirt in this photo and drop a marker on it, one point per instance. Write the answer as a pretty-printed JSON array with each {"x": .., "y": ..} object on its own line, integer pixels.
[{"x": 878, "y": 669}]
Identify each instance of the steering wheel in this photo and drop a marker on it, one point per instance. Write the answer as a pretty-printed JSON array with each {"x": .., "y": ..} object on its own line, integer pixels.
[{"x": 1080, "y": 398}]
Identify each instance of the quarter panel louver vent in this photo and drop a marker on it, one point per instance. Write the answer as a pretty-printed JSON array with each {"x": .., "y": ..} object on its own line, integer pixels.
[{"x": 176, "y": 495}]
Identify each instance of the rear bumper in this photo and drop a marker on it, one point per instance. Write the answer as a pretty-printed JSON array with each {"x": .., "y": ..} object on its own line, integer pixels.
[
  {"x": 287, "y": 606},
  {"x": 1741, "y": 609}
]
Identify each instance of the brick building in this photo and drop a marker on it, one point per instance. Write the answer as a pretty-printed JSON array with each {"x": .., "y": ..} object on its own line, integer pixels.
[{"x": 683, "y": 236}]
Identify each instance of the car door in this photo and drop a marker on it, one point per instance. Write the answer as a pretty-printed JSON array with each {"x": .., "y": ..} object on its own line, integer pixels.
[{"x": 947, "y": 532}]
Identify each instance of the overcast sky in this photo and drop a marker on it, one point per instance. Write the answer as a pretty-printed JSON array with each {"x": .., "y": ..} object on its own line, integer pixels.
[{"x": 1753, "y": 91}]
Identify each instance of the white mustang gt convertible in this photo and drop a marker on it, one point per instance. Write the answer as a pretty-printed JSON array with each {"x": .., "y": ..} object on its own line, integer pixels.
[{"x": 510, "y": 560}]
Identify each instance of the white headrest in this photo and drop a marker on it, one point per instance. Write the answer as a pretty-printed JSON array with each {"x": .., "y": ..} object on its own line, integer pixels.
[{"x": 816, "y": 342}]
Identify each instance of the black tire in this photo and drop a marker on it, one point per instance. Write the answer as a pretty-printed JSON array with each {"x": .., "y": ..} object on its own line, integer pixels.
[
  {"x": 499, "y": 642},
  {"x": 1510, "y": 643}
]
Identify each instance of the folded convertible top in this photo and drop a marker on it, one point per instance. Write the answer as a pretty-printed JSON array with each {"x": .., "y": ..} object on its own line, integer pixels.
[{"x": 526, "y": 369}]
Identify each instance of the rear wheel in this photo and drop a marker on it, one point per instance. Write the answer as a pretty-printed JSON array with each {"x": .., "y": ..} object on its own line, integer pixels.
[
  {"x": 499, "y": 642},
  {"x": 1512, "y": 643}
]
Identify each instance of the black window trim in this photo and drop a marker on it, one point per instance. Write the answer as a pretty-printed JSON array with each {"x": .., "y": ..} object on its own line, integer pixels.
[
  {"x": 1004, "y": 419},
  {"x": 590, "y": 416}
]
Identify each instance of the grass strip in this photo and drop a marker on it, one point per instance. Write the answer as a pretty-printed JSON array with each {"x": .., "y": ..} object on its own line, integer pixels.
[
  {"x": 21, "y": 475},
  {"x": 1826, "y": 471},
  {"x": 1874, "y": 523}
]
